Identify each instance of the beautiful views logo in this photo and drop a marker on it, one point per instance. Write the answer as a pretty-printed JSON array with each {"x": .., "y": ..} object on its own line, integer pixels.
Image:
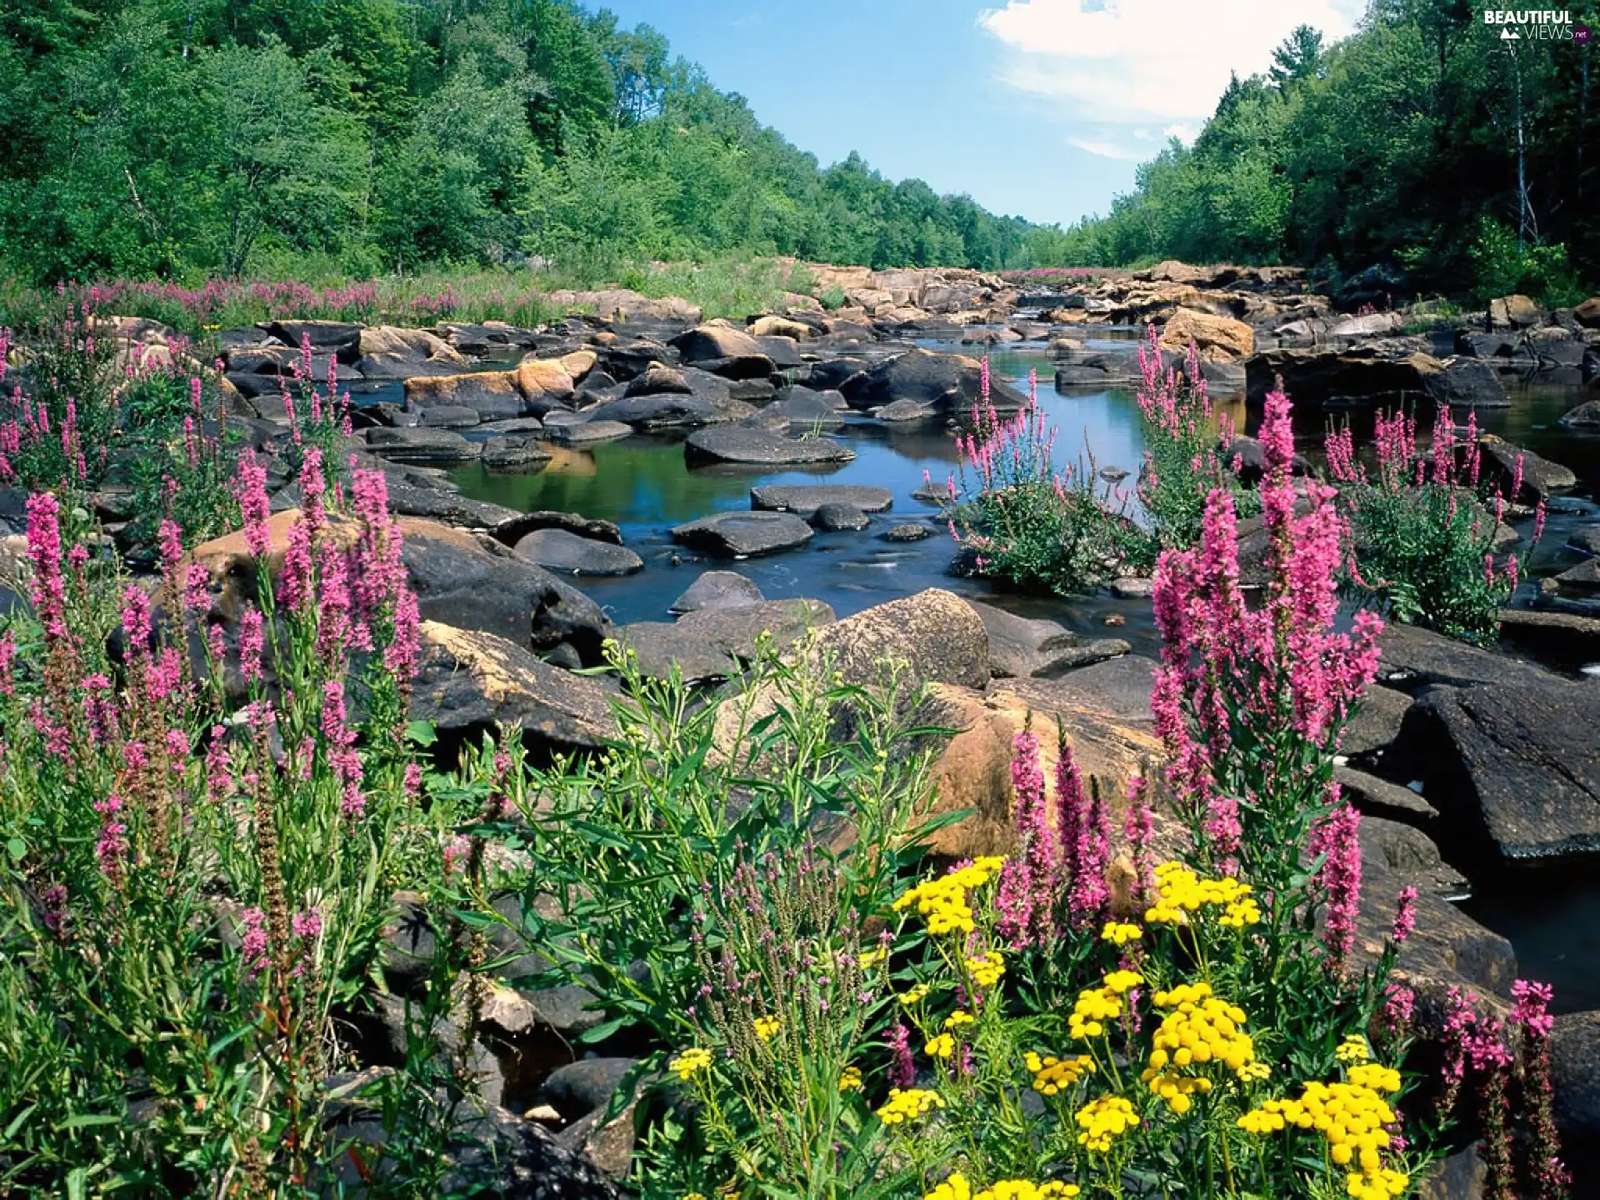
[{"x": 1535, "y": 24}]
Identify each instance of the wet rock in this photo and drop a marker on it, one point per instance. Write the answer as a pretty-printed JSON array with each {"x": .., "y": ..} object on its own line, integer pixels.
[
  {"x": 567, "y": 552},
  {"x": 493, "y": 395},
  {"x": 1083, "y": 654},
  {"x": 739, "y": 535},
  {"x": 803, "y": 407},
  {"x": 415, "y": 494},
  {"x": 514, "y": 454},
  {"x": 1561, "y": 640},
  {"x": 907, "y": 533},
  {"x": 1411, "y": 658},
  {"x": 805, "y": 498},
  {"x": 1541, "y": 478},
  {"x": 546, "y": 518},
  {"x": 1467, "y": 383},
  {"x": 1405, "y": 852},
  {"x": 1376, "y": 723},
  {"x": 469, "y": 681},
  {"x": 1131, "y": 587},
  {"x": 448, "y": 416},
  {"x": 512, "y": 426},
  {"x": 758, "y": 448},
  {"x": 1504, "y": 767},
  {"x": 1585, "y": 416},
  {"x": 902, "y": 411},
  {"x": 326, "y": 337},
  {"x": 421, "y": 445},
  {"x": 836, "y": 517},
  {"x": 1020, "y": 645},
  {"x": 674, "y": 410},
  {"x": 1371, "y": 374},
  {"x": 588, "y": 433},
  {"x": 717, "y": 589}
]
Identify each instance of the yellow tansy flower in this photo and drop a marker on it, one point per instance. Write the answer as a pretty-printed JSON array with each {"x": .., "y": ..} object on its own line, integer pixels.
[
  {"x": 987, "y": 968},
  {"x": 1123, "y": 982},
  {"x": 941, "y": 1045},
  {"x": 1119, "y": 933},
  {"x": 1052, "y": 1075},
  {"x": 850, "y": 1079},
  {"x": 1353, "y": 1049},
  {"x": 767, "y": 1028},
  {"x": 689, "y": 1062},
  {"x": 906, "y": 1103},
  {"x": 1104, "y": 1120},
  {"x": 958, "y": 1018}
]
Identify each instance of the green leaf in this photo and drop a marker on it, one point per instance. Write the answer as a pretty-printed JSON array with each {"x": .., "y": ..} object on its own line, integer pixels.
[
  {"x": 422, "y": 733},
  {"x": 17, "y": 848},
  {"x": 603, "y": 1030}
]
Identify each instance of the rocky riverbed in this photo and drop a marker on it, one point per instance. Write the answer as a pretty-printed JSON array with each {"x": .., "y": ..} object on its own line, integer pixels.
[{"x": 682, "y": 486}]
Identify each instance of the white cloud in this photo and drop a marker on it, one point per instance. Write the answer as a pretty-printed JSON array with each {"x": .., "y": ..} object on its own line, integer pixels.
[
  {"x": 1181, "y": 130},
  {"x": 1105, "y": 149},
  {"x": 1148, "y": 61}
]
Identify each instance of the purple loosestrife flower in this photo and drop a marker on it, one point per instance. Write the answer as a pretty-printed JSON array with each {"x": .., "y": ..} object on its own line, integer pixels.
[
  {"x": 1037, "y": 859},
  {"x": 44, "y": 555},
  {"x": 341, "y": 751},
  {"x": 219, "y": 766},
  {"x": 902, "y": 1066},
  {"x": 8, "y": 654},
  {"x": 253, "y": 941},
  {"x": 251, "y": 492},
  {"x": 1549, "y": 1178},
  {"x": 1336, "y": 838},
  {"x": 1089, "y": 895},
  {"x": 1405, "y": 915},
  {"x": 112, "y": 847},
  {"x": 252, "y": 644}
]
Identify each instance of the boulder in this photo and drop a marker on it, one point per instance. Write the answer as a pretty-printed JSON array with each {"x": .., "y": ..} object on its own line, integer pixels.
[
  {"x": 508, "y": 454},
  {"x": 935, "y": 634},
  {"x": 713, "y": 643},
  {"x": 1019, "y": 646},
  {"x": 1564, "y": 641},
  {"x": 806, "y": 498},
  {"x": 1585, "y": 416},
  {"x": 1377, "y": 797},
  {"x": 586, "y": 433},
  {"x": 1411, "y": 658},
  {"x": 448, "y": 416},
  {"x": 1540, "y": 477},
  {"x": 657, "y": 378},
  {"x": 1575, "y": 1081},
  {"x": 671, "y": 410},
  {"x": 569, "y": 553},
  {"x": 326, "y": 337},
  {"x": 804, "y": 407},
  {"x": 1511, "y": 765},
  {"x": 907, "y": 533},
  {"x": 1514, "y": 312},
  {"x": 581, "y": 1087},
  {"x": 717, "y": 589},
  {"x": 902, "y": 411},
  {"x": 1371, "y": 374},
  {"x": 836, "y": 517},
  {"x": 774, "y": 326},
  {"x": 756, "y": 447},
  {"x": 947, "y": 384},
  {"x": 1467, "y": 383},
  {"x": 721, "y": 348},
  {"x": 545, "y": 383},
  {"x": 743, "y": 534},
  {"x": 1218, "y": 339},
  {"x": 1587, "y": 314},
  {"x": 422, "y": 445},
  {"x": 389, "y": 352},
  {"x": 493, "y": 395},
  {"x": 469, "y": 681}
]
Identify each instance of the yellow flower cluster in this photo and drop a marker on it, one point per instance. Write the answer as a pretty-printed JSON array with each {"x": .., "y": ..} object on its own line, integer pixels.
[
  {"x": 1094, "y": 1007},
  {"x": 987, "y": 968},
  {"x": 942, "y": 902},
  {"x": 1123, "y": 982},
  {"x": 915, "y": 994},
  {"x": 1375, "y": 1077},
  {"x": 1052, "y": 1075},
  {"x": 1104, "y": 1120},
  {"x": 690, "y": 1061},
  {"x": 1382, "y": 1184},
  {"x": 1199, "y": 1031},
  {"x": 767, "y": 1028},
  {"x": 850, "y": 1079},
  {"x": 957, "y": 1187},
  {"x": 1350, "y": 1117},
  {"x": 1119, "y": 933},
  {"x": 904, "y": 1104},
  {"x": 1175, "y": 1089},
  {"x": 873, "y": 958},
  {"x": 1179, "y": 892},
  {"x": 958, "y": 1018},
  {"x": 1353, "y": 1049},
  {"x": 1254, "y": 1072},
  {"x": 941, "y": 1045}
]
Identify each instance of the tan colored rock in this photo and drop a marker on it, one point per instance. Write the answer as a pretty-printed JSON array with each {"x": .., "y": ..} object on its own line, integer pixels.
[
  {"x": 1588, "y": 313},
  {"x": 1514, "y": 312},
  {"x": 1219, "y": 339},
  {"x": 547, "y": 380},
  {"x": 492, "y": 393},
  {"x": 411, "y": 344},
  {"x": 774, "y": 326},
  {"x": 579, "y": 363}
]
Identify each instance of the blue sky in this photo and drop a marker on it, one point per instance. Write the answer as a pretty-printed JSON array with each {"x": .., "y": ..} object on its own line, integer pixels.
[{"x": 1036, "y": 107}]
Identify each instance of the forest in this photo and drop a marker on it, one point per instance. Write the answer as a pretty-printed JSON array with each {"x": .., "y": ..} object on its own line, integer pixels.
[
  {"x": 1425, "y": 146},
  {"x": 287, "y": 137}
]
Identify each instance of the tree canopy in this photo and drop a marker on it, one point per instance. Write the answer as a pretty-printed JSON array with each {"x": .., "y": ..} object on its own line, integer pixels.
[{"x": 171, "y": 137}]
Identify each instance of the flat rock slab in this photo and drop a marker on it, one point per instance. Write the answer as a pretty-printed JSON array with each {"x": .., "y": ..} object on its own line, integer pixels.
[
  {"x": 1513, "y": 765},
  {"x": 714, "y": 643},
  {"x": 806, "y": 498},
  {"x": 739, "y": 535},
  {"x": 835, "y": 518},
  {"x": 422, "y": 445},
  {"x": 562, "y": 550},
  {"x": 588, "y": 432},
  {"x": 757, "y": 447}
]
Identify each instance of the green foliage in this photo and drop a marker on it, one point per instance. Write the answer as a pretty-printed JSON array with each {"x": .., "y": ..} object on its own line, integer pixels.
[
  {"x": 1411, "y": 142},
  {"x": 151, "y": 138}
]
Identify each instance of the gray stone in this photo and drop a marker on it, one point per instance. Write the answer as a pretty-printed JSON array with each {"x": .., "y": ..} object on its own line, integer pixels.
[
  {"x": 742, "y": 534},
  {"x": 717, "y": 589},
  {"x": 757, "y": 447},
  {"x": 588, "y": 433},
  {"x": 907, "y": 533},
  {"x": 511, "y": 453},
  {"x": 561, "y": 550},
  {"x": 835, "y": 517},
  {"x": 806, "y": 498},
  {"x": 421, "y": 445}
]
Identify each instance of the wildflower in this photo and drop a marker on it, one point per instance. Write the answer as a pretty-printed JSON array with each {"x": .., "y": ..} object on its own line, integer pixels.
[
  {"x": 1120, "y": 933},
  {"x": 906, "y": 1104},
  {"x": 1336, "y": 838},
  {"x": 1269, "y": 1118},
  {"x": 1175, "y": 1089},
  {"x": 955, "y": 1187},
  {"x": 767, "y": 1028},
  {"x": 873, "y": 958},
  {"x": 1375, "y": 1077},
  {"x": 1104, "y": 1120},
  {"x": 690, "y": 1062},
  {"x": 941, "y": 1046},
  {"x": 850, "y": 1080},
  {"x": 1052, "y": 1075},
  {"x": 1123, "y": 982},
  {"x": 1200, "y": 1030},
  {"x": 1382, "y": 1184},
  {"x": 914, "y": 994},
  {"x": 958, "y": 1018},
  {"x": 253, "y": 941},
  {"x": 902, "y": 1067},
  {"x": 1353, "y": 1049},
  {"x": 307, "y": 925},
  {"x": 1254, "y": 1072},
  {"x": 987, "y": 968},
  {"x": 1349, "y": 1117},
  {"x": 1093, "y": 1008}
]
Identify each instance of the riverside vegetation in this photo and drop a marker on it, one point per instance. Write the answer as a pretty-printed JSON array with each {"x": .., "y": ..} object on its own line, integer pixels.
[{"x": 213, "y": 791}]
